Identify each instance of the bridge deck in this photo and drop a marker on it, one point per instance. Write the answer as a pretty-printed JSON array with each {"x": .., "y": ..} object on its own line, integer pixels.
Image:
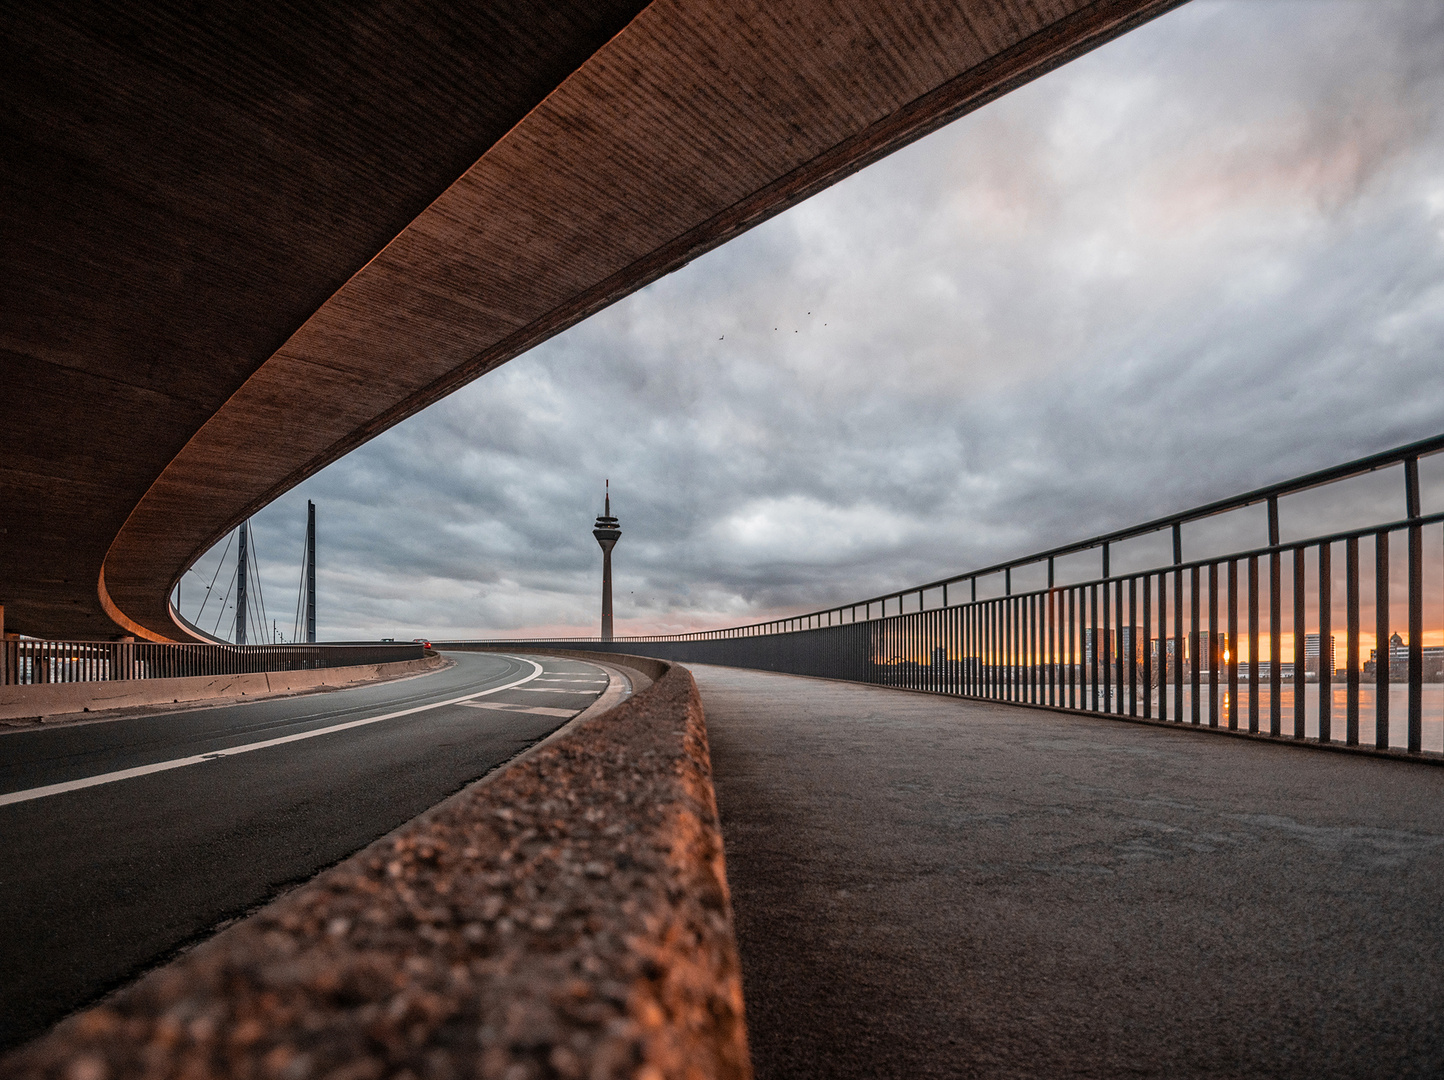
[{"x": 927, "y": 887}]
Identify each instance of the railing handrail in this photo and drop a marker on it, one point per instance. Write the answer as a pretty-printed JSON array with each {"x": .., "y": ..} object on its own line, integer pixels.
[
  {"x": 1206, "y": 641},
  {"x": 1270, "y": 492},
  {"x": 31, "y": 661},
  {"x": 1357, "y": 467}
]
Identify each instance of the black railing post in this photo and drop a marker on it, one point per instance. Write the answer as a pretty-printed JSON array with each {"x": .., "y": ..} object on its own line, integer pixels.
[
  {"x": 1213, "y": 651},
  {"x": 1195, "y": 685},
  {"x": 999, "y": 615},
  {"x": 1000, "y": 647},
  {"x": 1232, "y": 645},
  {"x": 1105, "y": 629},
  {"x": 1300, "y": 668},
  {"x": 1057, "y": 637},
  {"x": 1351, "y": 627},
  {"x": 1178, "y": 645},
  {"x": 1276, "y": 641},
  {"x": 1035, "y": 647},
  {"x": 1133, "y": 642},
  {"x": 979, "y": 649},
  {"x": 1015, "y": 644},
  {"x": 1326, "y": 643},
  {"x": 1147, "y": 646},
  {"x": 1163, "y": 645},
  {"x": 1117, "y": 640},
  {"x": 1382, "y": 650},
  {"x": 1253, "y": 661},
  {"x": 1072, "y": 648},
  {"x": 1275, "y": 622},
  {"x": 1416, "y": 606},
  {"x": 1093, "y": 642}
]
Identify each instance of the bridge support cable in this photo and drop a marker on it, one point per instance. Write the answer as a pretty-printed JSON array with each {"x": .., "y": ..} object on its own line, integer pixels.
[
  {"x": 300, "y": 597},
  {"x": 258, "y": 604},
  {"x": 225, "y": 604},
  {"x": 222, "y": 562}
]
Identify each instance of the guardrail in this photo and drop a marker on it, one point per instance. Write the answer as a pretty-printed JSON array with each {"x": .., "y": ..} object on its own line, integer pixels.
[
  {"x": 28, "y": 661},
  {"x": 1246, "y": 640}
]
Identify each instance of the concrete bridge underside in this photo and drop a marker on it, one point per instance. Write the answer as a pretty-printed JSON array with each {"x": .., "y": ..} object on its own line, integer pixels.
[{"x": 240, "y": 242}]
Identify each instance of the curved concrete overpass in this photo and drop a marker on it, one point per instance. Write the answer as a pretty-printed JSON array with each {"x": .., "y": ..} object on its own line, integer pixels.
[{"x": 237, "y": 249}]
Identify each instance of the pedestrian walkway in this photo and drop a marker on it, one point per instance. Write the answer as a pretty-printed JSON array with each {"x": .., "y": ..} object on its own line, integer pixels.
[{"x": 928, "y": 887}]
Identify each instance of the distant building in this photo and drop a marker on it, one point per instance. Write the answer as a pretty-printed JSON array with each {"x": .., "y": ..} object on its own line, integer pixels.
[
  {"x": 1199, "y": 654},
  {"x": 1311, "y": 654},
  {"x": 1432, "y": 655},
  {"x": 1167, "y": 668},
  {"x": 1109, "y": 647}
]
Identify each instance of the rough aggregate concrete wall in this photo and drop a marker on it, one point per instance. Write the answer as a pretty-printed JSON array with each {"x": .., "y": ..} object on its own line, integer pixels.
[{"x": 566, "y": 917}]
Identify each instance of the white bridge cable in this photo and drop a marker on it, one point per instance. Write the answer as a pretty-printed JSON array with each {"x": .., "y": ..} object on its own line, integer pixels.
[
  {"x": 225, "y": 603},
  {"x": 206, "y": 599},
  {"x": 300, "y": 593},
  {"x": 263, "y": 628}
]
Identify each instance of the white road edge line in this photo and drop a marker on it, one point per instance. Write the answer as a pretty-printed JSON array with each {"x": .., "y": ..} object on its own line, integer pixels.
[{"x": 232, "y": 751}]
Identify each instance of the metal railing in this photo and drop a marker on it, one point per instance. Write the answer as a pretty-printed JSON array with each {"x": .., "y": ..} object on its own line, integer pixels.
[
  {"x": 1244, "y": 640},
  {"x": 29, "y": 662}
]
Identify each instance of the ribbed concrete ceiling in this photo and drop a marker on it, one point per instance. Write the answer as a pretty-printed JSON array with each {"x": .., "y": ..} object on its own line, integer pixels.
[{"x": 237, "y": 249}]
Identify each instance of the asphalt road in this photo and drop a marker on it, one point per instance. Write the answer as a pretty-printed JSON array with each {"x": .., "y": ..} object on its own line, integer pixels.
[{"x": 100, "y": 883}]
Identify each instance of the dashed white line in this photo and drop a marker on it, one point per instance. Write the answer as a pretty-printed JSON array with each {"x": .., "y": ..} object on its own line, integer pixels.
[{"x": 535, "y": 710}]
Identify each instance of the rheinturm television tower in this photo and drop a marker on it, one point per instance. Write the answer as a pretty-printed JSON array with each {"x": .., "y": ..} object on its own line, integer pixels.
[{"x": 608, "y": 531}]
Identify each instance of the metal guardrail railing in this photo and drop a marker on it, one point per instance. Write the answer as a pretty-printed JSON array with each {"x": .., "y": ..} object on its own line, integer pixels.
[
  {"x": 28, "y": 661},
  {"x": 1245, "y": 640}
]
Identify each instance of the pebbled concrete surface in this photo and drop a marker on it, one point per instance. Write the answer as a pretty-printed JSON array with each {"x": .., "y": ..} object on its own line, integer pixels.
[{"x": 936, "y": 888}]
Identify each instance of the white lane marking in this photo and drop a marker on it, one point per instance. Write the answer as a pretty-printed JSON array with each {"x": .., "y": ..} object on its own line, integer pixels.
[
  {"x": 536, "y": 710},
  {"x": 232, "y": 751},
  {"x": 557, "y": 690},
  {"x": 584, "y": 682}
]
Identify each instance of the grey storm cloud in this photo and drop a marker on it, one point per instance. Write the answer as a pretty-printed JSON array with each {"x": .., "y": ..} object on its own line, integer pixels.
[{"x": 1204, "y": 257}]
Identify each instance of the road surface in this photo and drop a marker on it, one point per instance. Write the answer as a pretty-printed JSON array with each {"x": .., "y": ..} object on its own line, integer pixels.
[{"x": 123, "y": 841}]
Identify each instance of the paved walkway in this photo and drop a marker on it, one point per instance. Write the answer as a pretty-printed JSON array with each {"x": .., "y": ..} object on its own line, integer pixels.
[{"x": 930, "y": 888}]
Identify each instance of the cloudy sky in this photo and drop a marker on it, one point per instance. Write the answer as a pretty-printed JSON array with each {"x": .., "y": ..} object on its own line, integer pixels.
[{"x": 1207, "y": 256}]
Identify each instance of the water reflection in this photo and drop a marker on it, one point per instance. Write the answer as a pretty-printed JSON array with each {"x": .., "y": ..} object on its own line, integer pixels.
[{"x": 1433, "y": 711}]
